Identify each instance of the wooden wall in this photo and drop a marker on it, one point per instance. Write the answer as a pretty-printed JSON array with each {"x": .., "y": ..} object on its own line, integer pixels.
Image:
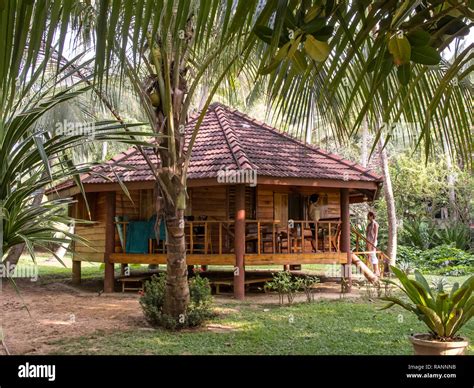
[
  {"x": 264, "y": 204},
  {"x": 272, "y": 202},
  {"x": 217, "y": 203},
  {"x": 210, "y": 202},
  {"x": 94, "y": 233}
]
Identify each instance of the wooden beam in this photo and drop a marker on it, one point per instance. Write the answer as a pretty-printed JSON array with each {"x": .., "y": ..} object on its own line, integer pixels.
[
  {"x": 229, "y": 258},
  {"x": 239, "y": 243},
  {"x": 345, "y": 244},
  {"x": 295, "y": 258},
  {"x": 371, "y": 186},
  {"x": 109, "y": 278},
  {"x": 76, "y": 272},
  {"x": 159, "y": 258}
]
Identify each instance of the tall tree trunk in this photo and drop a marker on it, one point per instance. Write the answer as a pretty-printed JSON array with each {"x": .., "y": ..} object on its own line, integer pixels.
[
  {"x": 451, "y": 181},
  {"x": 105, "y": 147},
  {"x": 62, "y": 249},
  {"x": 364, "y": 140},
  {"x": 390, "y": 200},
  {"x": 177, "y": 290}
]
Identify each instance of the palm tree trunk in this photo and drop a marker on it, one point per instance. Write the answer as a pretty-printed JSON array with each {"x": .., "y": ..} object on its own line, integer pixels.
[
  {"x": 390, "y": 200},
  {"x": 177, "y": 290}
]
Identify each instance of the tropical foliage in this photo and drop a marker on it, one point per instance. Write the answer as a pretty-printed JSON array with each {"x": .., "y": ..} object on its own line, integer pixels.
[
  {"x": 425, "y": 234},
  {"x": 442, "y": 260},
  {"x": 34, "y": 155},
  {"x": 421, "y": 189},
  {"x": 322, "y": 62},
  {"x": 444, "y": 313},
  {"x": 374, "y": 68}
]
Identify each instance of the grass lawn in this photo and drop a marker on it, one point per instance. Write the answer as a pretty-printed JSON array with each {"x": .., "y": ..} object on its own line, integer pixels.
[
  {"x": 324, "y": 327},
  {"x": 320, "y": 328}
]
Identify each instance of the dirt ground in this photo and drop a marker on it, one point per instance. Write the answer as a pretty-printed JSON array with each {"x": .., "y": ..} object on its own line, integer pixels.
[{"x": 60, "y": 311}]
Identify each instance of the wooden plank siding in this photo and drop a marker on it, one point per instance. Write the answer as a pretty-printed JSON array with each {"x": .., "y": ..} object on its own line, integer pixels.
[
  {"x": 229, "y": 259},
  {"x": 213, "y": 203},
  {"x": 94, "y": 233},
  {"x": 264, "y": 203},
  {"x": 210, "y": 202},
  {"x": 132, "y": 210}
]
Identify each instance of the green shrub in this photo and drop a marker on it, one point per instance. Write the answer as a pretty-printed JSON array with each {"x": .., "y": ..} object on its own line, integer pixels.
[
  {"x": 409, "y": 254},
  {"x": 447, "y": 255},
  {"x": 308, "y": 283},
  {"x": 199, "y": 308},
  {"x": 200, "y": 305},
  {"x": 455, "y": 233},
  {"x": 285, "y": 284},
  {"x": 442, "y": 259},
  {"x": 418, "y": 234},
  {"x": 425, "y": 234}
]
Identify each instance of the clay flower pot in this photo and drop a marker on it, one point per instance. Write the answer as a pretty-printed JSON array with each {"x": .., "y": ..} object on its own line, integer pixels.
[{"x": 423, "y": 344}]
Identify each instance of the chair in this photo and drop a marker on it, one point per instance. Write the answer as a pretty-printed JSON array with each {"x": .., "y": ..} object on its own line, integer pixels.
[{"x": 199, "y": 241}]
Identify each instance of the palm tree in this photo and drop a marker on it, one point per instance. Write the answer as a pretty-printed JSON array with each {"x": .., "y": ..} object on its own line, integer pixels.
[
  {"x": 381, "y": 65},
  {"x": 340, "y": 67},
  {"x": 312, "y": 51},
  {"x": 164, "y": 49}
]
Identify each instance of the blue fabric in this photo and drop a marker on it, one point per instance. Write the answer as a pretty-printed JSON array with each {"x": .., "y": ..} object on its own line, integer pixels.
[
  {"x": 138, "y": 233},
  {"x": 162, "y": 229}
]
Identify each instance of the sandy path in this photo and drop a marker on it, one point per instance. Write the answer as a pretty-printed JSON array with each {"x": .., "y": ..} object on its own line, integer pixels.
[{"x": 60, "y": 313}]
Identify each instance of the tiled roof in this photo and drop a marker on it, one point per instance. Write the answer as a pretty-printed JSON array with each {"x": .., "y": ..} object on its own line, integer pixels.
[{"x": 230, "y": 139}]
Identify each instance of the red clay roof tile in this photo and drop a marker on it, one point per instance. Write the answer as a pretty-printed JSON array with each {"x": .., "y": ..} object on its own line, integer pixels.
[{"x": 230, "y": 139}]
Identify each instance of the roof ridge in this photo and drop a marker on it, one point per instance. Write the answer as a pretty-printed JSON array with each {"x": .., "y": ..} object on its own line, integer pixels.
[
  {"x": 233, "y": 141},
  {"x": 356, "y": 166}
]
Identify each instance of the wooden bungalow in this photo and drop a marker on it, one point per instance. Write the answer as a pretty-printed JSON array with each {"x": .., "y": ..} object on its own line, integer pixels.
[{"x": 248, "y": 189}]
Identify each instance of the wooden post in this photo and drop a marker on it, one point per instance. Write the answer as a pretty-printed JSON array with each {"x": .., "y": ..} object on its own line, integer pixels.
[
  {"x": 239, "y": 243},
  {"x": 273, "y": 238},
  {"x": 258, "y": 238},
  {"x": 346, "y": 236},
  {"x": 76, "y": 272},
  {"x": 220, "y": 238},
  {"x": 109, "y": 278}
]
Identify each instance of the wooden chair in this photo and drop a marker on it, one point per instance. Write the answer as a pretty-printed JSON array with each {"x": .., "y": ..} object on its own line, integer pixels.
[{"x": 198, "y": 238}]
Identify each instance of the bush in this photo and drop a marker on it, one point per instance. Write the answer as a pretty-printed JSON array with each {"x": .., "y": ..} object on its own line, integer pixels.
[
  {"x": 418, "y": 234},
  {"x": 285, "y": 284},
  {"x": 444, "y": 313},
  {"x": 199, "y": 308},
  {"x": 308, "y": 283},
  {"x": 200, "y": 305},
  {"x": 455, "y": 233},
  {"x": 442, "y": 260},
  {"x": 409, "y": 254},
  {"x": 425, "y": 234}
]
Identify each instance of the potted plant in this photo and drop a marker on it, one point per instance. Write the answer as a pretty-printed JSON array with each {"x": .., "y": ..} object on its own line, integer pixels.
[{"x": 443, "y": 313}]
